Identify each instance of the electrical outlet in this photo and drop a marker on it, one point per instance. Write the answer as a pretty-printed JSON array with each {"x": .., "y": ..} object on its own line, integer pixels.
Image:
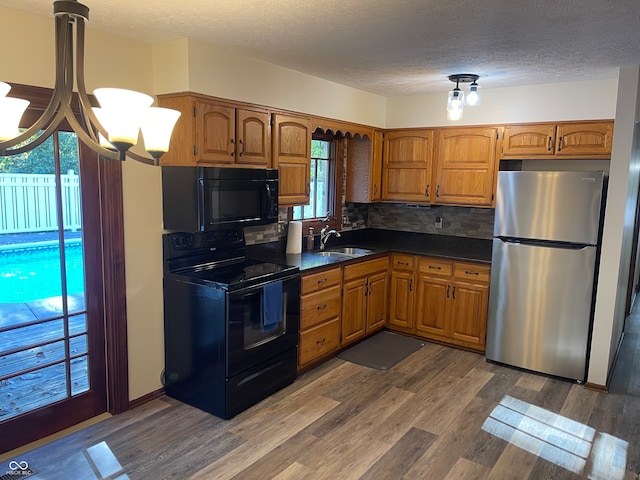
[
  {"x": 345, "y": 219},
  {"x": 438, "y": 222},
  {"x": 281, "y": 228}
]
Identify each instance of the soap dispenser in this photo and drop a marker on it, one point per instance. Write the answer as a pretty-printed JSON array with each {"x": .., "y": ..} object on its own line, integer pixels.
[{"x": 310, "y": 239}]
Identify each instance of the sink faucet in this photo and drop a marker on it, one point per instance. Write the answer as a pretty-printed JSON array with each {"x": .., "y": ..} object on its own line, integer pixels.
[{"x": 325, "y": 233}]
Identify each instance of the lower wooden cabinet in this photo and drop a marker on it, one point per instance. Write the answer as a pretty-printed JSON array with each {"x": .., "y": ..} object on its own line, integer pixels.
[
  {"x": 448, "y": 303},
  {"x": 364, "y": 300},
  {"x": 320, "y": 306}
]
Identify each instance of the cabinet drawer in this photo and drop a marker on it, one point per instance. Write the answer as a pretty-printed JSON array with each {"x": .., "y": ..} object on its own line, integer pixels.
[
  {"x": 400, "y": 261},
  {"x": 319, "y": 341},
  {"x": 319, "y": 306},
  {"x": 316, "y": 281},
  {"x": 365, "y": 268},
  {"x": 472, "y": 271},
  {"x": 434, "y": 266}
]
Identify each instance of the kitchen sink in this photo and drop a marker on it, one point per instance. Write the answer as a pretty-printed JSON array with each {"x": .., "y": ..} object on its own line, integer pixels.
[
  {"x": 350, "y": 251},
  {"x": 335, "y": 254}
]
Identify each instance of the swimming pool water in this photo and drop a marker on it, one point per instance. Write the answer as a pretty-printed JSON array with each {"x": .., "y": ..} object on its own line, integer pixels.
[{"x": 33, "y": 273}]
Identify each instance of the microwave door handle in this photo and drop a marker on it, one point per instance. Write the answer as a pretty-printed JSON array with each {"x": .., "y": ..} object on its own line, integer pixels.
[{"x": 268, "y": 194}]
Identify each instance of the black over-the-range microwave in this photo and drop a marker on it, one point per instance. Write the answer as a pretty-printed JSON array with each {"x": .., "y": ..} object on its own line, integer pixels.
[{"x": 197, "y": 199}]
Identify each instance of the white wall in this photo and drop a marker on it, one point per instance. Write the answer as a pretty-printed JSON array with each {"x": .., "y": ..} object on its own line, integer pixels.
[
  {"x": 618, "y": 228},
  {"x": 220, "y": 73},
  {"x": 587, "y": 100}
]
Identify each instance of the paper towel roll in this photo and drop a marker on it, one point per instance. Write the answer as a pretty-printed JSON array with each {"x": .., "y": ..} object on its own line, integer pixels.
[{"x": 294, "y": 238}]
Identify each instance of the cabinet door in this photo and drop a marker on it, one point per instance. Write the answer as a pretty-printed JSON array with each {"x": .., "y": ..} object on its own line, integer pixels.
[
  {"x": 407, "y": 164},
  {"x": 528, "y": 140},
  {"x": 431, "y": 305},
  {"x": 364, "y": 166},
  {"x": 401, "y": 296},
  {"x": 465, "y": 166},
  {"x": 253, "y": 130},
  {"x": 354, "y": 310},
  {"x": 584, "y": 139},
  {"x": 215, "y": 133},
  {"x": 467, "y": 316},
  {"x": 377, "y": 301},
  {"x": 292, "y": 158}
]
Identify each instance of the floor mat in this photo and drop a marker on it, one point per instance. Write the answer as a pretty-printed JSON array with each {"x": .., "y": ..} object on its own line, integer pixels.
[{"x": 382, "y": 351}]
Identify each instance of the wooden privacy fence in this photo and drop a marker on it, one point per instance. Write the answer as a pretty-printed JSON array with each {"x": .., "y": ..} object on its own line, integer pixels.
[{"x": 28, "y": 202}]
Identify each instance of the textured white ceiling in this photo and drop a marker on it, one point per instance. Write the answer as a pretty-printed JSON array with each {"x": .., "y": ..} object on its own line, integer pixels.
[{"x": 394, "y": 47}]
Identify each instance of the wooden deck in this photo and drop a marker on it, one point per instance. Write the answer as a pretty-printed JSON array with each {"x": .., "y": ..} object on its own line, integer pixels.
[{"x": 33, "y": 353}]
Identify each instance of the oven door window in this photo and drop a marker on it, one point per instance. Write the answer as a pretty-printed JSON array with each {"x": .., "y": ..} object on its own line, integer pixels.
[{"x": 249, "y": 342}]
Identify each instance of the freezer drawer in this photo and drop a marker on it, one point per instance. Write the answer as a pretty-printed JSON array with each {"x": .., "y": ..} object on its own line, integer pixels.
[{"x": 540, "y": 304}]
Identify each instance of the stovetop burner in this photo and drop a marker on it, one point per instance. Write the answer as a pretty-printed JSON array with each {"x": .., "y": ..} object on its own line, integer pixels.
[
  {"x": 217, "y": 259},
  {"x": 241, "y": 273}
]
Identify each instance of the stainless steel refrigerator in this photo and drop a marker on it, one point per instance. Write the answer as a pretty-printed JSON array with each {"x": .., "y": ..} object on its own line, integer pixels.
[{"x": 543, "y": 269}]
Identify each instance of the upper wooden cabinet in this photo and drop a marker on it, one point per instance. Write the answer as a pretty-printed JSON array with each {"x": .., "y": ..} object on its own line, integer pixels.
[
  {"x": 216, "y": 133},
  {"x": 292, "y": 157},
  {"x": 407, "y": 165},
  {"x": 466, "y": 166},
  {"x": 551, "y": 140}
]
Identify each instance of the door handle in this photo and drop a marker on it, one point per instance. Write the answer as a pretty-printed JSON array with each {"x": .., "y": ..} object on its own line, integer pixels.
[
  {"x": 242, "y": 145},
  {"x": 426, "y": 192},
  {"x": 550, "y": 144},
  {"x": 448, "y": 287},
  {"x": 322, "y": 307},
  {"x": 454, "y": 292},
  {"x": 435, "y": 268},
  {"x": 233, "y": 152},
  {"x": 559, "y": 144},
  {"x": 411, "y": 284},
  {"x": 437, "y": 191}
]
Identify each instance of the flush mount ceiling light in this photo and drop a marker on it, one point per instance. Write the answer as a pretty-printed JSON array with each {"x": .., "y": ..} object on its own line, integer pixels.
[
  {"x": 456, "y": 99},
  {"x": 109, "y": 130}
]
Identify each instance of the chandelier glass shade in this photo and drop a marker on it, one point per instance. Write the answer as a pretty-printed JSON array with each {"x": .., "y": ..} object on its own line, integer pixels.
[
  {"x": 456, "y": 98},
  {"x": 109, "y": 129}
]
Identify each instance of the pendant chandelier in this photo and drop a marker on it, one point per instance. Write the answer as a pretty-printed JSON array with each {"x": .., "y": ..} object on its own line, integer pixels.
[
  {"x": 109, "y": 130},
  {"x": 456, "y": 99}
]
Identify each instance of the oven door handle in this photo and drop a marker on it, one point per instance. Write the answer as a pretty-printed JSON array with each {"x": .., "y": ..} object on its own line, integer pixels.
[{"x": 242, "y": 291}]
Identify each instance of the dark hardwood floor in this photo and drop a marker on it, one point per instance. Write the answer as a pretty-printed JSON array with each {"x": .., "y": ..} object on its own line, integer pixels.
[{"x": 441, "y": 413}]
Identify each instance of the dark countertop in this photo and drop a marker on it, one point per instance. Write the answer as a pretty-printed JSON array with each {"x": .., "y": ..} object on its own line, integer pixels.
[{"x": 380, "y": 241}]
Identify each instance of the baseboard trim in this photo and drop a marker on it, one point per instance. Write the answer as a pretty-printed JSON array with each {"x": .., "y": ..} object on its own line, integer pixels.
[
  {"x": 596, "y": 388},
  {"x": 146, "y": 398}
]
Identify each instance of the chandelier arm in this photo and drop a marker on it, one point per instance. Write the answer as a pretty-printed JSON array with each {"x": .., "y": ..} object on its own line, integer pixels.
[
  {"x": 47, "y": 117},
  {"x": 142, "y": 159},
  {"x": 37, "y": 140}
]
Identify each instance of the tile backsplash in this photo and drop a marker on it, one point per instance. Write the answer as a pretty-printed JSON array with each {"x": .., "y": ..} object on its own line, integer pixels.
[{"x": 456, "y": 221}]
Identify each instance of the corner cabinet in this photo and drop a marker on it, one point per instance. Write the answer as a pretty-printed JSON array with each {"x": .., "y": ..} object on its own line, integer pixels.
[
  {"x": 407, "y": 166},
  {"x": 439, "y": 299},
  {"x": 587, "y": 140},
  {"x": 214, "y": 133},
  {"x": 466, "y": 166},
  {"x": 292, "y": 158}
]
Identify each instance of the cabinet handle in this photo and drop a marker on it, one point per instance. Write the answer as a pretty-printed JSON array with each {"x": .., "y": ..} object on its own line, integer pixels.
[
  {"x": 233, "y": 152},
  {"x": 366, "y": 290},
  {"x": 411, "y": 284},
  {"x": 559, "y": 144},
  {"x": 322, "y": 307},
  {"x": 471, "y": 273},
  {"x": 426, "y": 191},
  {"x": 454, "y": 292},
  {"x": 406, "y": 264},
  {"x": 321, "y": 342},
  {"x": 437, "y": 191},
  {"x": 370, "y": 288},
  {"x": 375, "y": 189},
  {"x": 308, "y": 189},
  {"x": 321, "y": 281},
  {"x": 550, "y": 144},
  {"x": 242, "y": 145},
  {"x": 448, "y": 287},
  {"x": 435, "y": 268}
]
